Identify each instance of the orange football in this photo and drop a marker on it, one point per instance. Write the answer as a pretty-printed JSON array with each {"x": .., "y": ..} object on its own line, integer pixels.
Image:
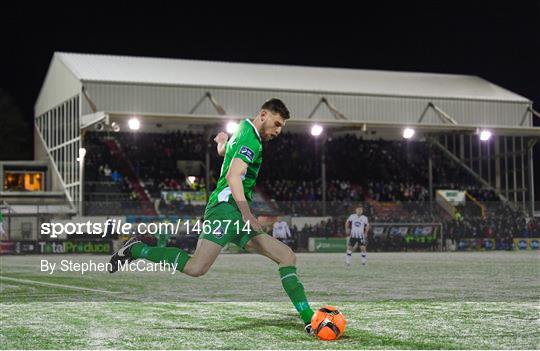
[{"x": 328, "y": 323}]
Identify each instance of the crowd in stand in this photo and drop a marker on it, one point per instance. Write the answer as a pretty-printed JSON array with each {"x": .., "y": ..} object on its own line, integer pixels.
[
  {"x": 304, "y": 197},
  {"x": 98, "y": 158},
  {"x": 311, "y": 190},
  {"x": 154, "y": 155},
  {"x": 153, "y": 160},
  {"x": 393, "y": 191},
  {"x": 357, "y": 171},
  {"x": 500, "y": 221},
  {"x": 107, "y": 190}
]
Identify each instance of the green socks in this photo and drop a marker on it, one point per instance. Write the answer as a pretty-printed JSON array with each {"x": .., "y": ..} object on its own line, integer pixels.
[
  {"x": 295, "y": 291},
  {"x": 170, "y": 255}
]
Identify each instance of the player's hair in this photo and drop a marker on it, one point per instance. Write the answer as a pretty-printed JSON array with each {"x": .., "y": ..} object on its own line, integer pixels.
[{"x": 276, "y": 106}]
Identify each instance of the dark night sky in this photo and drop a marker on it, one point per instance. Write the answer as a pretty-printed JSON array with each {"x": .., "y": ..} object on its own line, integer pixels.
[{"x": 500, "y": 43}]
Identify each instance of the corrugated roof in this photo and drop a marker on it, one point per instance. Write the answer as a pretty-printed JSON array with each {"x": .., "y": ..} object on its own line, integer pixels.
[{"x": 161, "y": 71}]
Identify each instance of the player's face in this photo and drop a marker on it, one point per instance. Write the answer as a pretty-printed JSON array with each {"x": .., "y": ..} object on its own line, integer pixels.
[
  {"x": 272, "y": 125},
  {"x": 359, "y": 211}
]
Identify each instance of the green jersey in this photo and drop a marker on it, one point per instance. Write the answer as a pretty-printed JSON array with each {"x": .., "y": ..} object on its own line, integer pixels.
[{"x": 245, "y": 144}]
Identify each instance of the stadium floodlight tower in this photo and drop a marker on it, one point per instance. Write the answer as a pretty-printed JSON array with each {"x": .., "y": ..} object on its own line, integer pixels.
[
  {"x": 231, "y": 127},
  {"x": 134, "y": 123},
  {"x": 485, "y": 135},
  {"x": 408, "y": 133},
  {"x": 316, "y": 130}
]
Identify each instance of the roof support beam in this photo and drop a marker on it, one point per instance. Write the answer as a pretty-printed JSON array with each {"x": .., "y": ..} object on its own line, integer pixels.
[
  {"x": 527, "y": 111},
  {"x": 220, "y": 110},
  {"x": 475, "y": 175},
  {"x": 337, "y": 115},
  {"x": 445, "y": 117},
  {"x": 93, "y": 106}
]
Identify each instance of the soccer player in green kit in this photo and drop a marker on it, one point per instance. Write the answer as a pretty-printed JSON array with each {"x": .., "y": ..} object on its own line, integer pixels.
[{"x": 228, "y": 211}]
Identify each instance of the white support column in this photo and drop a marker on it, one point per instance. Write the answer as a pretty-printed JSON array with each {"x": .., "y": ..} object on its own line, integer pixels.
[
  {"x": 531, "y": 178},
  {"x": 523, "y": 154},
  {"x": 497, "y": 163},
  {"x": 514, "y": 175}
]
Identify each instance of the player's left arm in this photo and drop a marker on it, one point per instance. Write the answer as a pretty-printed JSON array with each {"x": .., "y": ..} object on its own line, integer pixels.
[
  {"x": 234, "y": 176},
  {"x": 366, "y": 230},
  {"x": 221, "y": 141},
  {"x": 237, "y": 170}
]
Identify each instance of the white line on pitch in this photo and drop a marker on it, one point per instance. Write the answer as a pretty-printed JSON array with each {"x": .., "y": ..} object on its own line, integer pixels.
[{"x": 58, "y": 285}]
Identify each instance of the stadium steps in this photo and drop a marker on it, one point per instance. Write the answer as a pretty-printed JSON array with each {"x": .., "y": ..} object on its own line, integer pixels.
[
  {"x": 127, "y": 168},
  {"x": 387, "y": 208}
]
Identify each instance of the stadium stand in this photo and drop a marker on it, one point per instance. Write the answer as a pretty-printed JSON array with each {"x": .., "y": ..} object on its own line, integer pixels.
[{"x": 389, "y": 177}]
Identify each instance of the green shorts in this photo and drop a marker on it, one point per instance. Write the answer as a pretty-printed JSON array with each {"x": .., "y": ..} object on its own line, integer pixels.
[{"x": 223, "y": 224}]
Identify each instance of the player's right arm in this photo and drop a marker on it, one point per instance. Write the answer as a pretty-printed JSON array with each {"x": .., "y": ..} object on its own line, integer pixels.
[
  {"x": 348, "y": 226},
  {"x": 234, "y": 178},
  {"x": 221, "y": 141}
]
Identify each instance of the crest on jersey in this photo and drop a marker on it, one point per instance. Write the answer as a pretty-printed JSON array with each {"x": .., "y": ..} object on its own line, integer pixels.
[
  {"x": 247, "y": 152},
  {"x": 218, "y": 232}
]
